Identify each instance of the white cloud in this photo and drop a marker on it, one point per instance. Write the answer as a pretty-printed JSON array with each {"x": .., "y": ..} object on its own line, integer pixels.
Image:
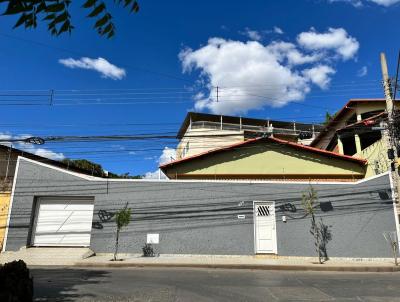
[
  {"x": 30, "y": 147},
  {"x": 251, "y": 75},
  {"x": 47, "y": 153},
  {"x": 385, "y": 2},
  {"x": 288, "y": 51},
  {"x": 252, "y": 34},
  {"x": 362, "y": 72},
  {"x": 355, "y": 3},
  {"x": 256, "y": 35},
  {"x": 320, "y": 75},
  {"x": 360, "y": 3},
  {"x": 335, "y": 39},
  {"x": 101, "y": 65},
  {"x": 5, "y": 136},
  {"x": 278, "y": 30},
  {"x": 166, "y": 156}
]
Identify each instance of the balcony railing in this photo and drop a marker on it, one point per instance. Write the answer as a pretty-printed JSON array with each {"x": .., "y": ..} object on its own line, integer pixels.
[{"x": 243, "y": 127}]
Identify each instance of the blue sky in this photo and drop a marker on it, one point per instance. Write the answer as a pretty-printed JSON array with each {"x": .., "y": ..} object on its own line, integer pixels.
[{"x": 170, "y": 65}]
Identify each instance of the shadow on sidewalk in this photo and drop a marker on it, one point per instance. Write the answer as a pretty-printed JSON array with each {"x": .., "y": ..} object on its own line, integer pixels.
[{"x": 64, "y": 284}]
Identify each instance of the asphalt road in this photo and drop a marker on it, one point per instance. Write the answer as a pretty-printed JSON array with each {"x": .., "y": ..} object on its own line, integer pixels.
[{"x": 166, "y": 284}]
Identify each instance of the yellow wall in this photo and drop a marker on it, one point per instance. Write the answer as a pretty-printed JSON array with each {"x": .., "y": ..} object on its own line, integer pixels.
[
  {"x": 4, "y": 204},
  {"x": 376, "y": 154},
  {"x": 265, "y": 159}
]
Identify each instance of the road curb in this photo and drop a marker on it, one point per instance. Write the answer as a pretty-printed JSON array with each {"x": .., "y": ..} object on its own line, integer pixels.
[{"x": 276, "y": 267}]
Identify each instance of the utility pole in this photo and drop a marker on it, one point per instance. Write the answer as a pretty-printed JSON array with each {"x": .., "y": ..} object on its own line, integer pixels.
[
  {"x": 390, "y": 140},
  {"x": 388, "y": 134}
]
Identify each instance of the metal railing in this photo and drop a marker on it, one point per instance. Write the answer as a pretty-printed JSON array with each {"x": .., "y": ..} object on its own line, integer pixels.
[{"x": 236, "y": 127}]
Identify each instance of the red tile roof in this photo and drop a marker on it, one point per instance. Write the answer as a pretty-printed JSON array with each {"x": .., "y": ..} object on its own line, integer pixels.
[{"x": 273, "y": 139}]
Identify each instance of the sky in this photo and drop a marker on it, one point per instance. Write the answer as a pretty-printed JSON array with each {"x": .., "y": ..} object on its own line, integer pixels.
[{"x": 286, "y": 60}]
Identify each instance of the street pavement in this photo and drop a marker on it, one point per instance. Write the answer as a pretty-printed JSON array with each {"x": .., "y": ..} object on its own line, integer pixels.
[{"x": 187, "y": 284}]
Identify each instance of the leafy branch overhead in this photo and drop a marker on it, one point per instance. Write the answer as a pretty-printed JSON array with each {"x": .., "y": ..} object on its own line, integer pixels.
[{"x": 56, "y": 14}]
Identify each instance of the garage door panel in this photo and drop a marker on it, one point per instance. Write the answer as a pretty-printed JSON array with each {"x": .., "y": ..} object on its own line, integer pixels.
[
  {"x": 62, "y": 240},
  {"x": 62, "y": 223},
  {"x": 50, "y": 206}
]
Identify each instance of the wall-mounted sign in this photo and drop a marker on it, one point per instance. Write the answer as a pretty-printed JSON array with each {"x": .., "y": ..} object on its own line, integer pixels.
[
  {"x": 241, "y": 216},
  {"x": 153, "y": 238}
]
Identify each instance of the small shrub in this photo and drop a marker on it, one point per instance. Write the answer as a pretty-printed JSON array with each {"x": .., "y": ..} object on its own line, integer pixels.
[
  {"x": 148, "y": 250},
  {"x": 16, "y": 285}
]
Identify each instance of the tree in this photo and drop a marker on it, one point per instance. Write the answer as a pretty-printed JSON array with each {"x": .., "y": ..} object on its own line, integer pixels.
[
  {"x": 56, "y": 14},
  {"x": 124, "y": 176},
  {"x": 85, "y": 164},
  {"x": 319, "y": 230},
  {"x": 329, "y": 117},
  {"x": 122, "y": 219}
]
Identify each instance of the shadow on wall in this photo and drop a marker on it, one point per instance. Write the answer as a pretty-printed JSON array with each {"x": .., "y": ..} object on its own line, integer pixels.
[{"x": 65, "y": 284}]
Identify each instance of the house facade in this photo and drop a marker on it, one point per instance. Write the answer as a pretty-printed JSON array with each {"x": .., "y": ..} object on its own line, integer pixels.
[
  {"x": 201, "y": 132},
  {"x": 267, "y": 158},
  {"x": 54, "y": 207}
]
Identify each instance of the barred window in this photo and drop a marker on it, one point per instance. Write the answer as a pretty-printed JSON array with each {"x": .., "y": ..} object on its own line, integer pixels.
[{"x": 263, "y": 211}]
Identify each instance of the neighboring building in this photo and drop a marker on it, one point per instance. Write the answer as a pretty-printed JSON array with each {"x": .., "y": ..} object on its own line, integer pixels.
[
  {"x": 201, "y": 132},
  {"x": 354, "y": 131},
  {"x": 267, "y": 158},
  {"x": 8, "y": 162},
  {"x": 55, "y": 207}
]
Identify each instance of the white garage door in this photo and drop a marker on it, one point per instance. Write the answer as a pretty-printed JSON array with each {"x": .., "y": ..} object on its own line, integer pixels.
[{"x": 62, "y": 222}]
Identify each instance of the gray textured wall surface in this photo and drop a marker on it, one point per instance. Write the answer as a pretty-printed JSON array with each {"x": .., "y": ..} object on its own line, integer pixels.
[{"x": 201, "y": 217}]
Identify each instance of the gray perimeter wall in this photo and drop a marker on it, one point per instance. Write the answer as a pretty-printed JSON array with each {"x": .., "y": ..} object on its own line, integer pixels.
[{"x": 201, "y": 217}]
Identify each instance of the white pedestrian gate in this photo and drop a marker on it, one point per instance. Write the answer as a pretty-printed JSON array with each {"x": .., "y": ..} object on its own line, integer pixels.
[
  {"x": 62, "y": 222},
  {"x": 265, "y": 227}
]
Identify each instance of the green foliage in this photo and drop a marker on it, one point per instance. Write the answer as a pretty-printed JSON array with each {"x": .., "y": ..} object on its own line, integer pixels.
[
  {"x": 328, "y": 117},
  {"x": 321, "y": 233},
  {"x": 308, "y": 200},
  {"x": 124, "y": 176},
  {"x": 84, "y": 164},
  {"x": 56, "y": 14},
  {"x": 123, "y": 218}
]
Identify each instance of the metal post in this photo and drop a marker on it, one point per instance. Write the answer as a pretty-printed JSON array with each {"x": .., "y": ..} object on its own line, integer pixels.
[{"x": 221, "y": 122}]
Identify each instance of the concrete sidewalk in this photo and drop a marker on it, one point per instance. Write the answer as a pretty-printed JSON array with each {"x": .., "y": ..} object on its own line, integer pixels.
[
  {"x": 44, "y": 256},
  {"x": 243, "y": 262},
  {"x": 84, "y": 257}
]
